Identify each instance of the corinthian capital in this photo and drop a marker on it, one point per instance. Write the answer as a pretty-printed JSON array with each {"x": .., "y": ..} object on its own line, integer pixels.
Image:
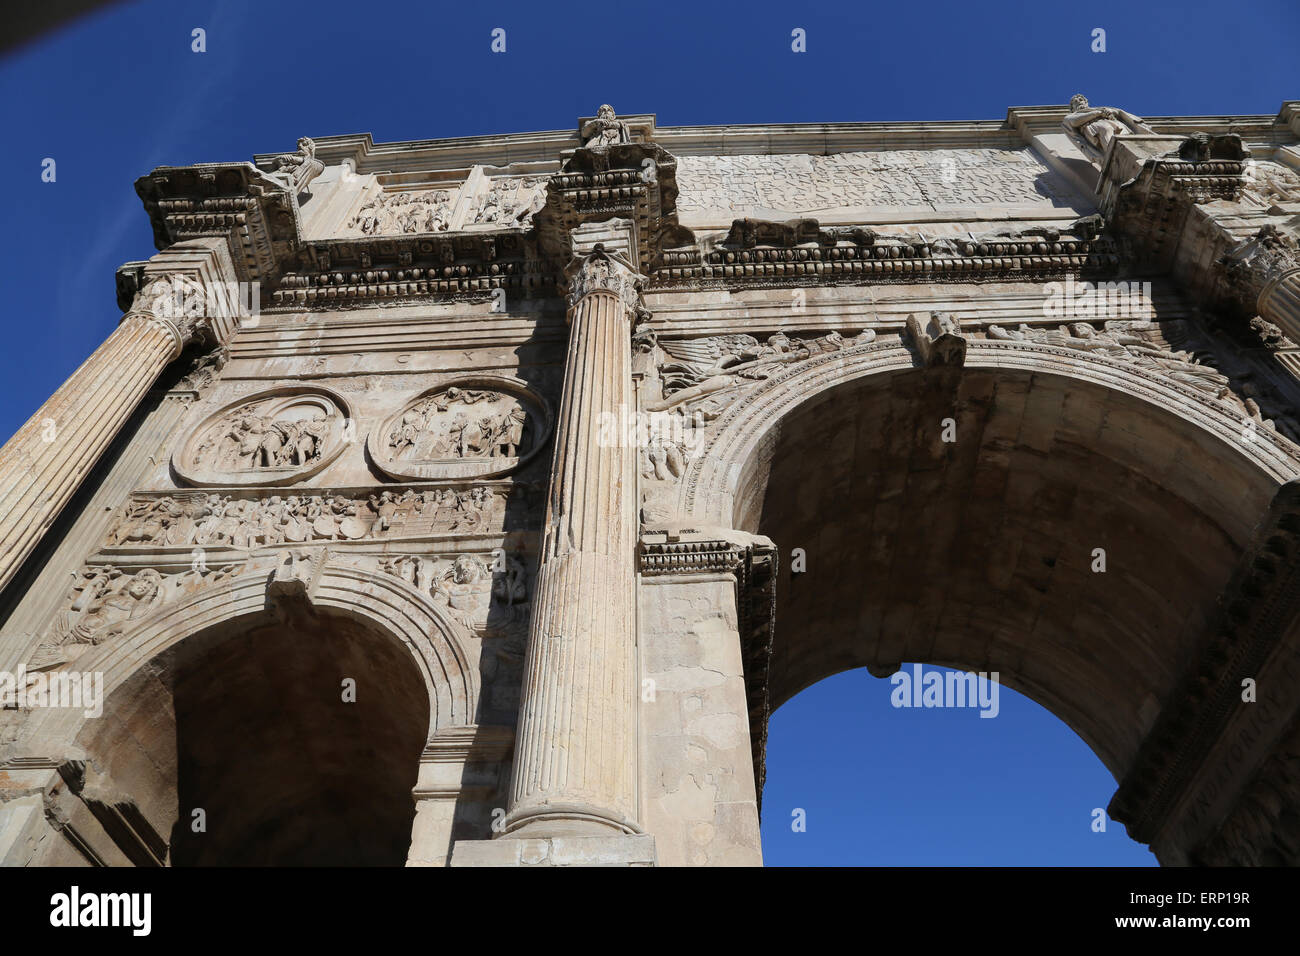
[
  {"x": 606, "y": 271},
  {"x": 1258, "y": 264},
  {"x": 176, "y": 303}
]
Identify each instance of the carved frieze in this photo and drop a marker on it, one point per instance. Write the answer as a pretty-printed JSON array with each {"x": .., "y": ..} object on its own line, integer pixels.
[
  {"x": 489, "y": 596},
  {"x": 478, "y": 427},
  {"x": 509, "y": 202},
  {"x": 1267, "y": 182},
  {"x": 404, "y": 213},
  {"x": 275, "y": 439},
  {"x": 214, "y": 520}
]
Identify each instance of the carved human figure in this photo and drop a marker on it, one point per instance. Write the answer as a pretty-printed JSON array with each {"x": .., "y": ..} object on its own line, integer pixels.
[
  {"x": 384, "y": 507},
  {"x": 140, "y": 594},
  {"x": 510, "y": 586},
  {"x": 605, "y": 130},
  {"x": 510, "y": 439},
  {"x": 298, "y": 169},
  {"x": 1099, "y": 125}
]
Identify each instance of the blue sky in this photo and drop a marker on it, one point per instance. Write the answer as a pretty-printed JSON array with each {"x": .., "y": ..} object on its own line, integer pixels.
[{"x": 120, "y": 92}]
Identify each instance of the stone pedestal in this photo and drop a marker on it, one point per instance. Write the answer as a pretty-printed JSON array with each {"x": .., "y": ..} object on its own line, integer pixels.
[
  {"x": 455, "y": 792},
  {"x": 633, "y": 849},
  {"x": 575, "y": 760}
]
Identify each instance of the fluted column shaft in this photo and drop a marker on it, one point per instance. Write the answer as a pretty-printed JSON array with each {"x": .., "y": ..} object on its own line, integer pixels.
[
  {"x": 575, "y": 754},
  {"x": 44, "y": 463},
  {"x": 1279, "y": 302}
]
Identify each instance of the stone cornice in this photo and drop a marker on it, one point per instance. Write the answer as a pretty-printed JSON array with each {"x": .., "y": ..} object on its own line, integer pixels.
[
  {"x": 255, "y": 212},
  {"x": 504, "y": 150},
  {"x": 1030, "y": 121}
]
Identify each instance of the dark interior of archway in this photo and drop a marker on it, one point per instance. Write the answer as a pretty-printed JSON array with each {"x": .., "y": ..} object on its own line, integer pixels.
[
  {"x": 286, "y": 770},
  {"x": 246, "y": 721},
  {"x": 978, "y": 554}
]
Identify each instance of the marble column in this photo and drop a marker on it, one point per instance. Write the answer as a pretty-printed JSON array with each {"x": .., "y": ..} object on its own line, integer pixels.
[
  {"x": 575, "y": 755},
  {"x": 42, "y": 466},
  {"x": 1279, "y": 302}
]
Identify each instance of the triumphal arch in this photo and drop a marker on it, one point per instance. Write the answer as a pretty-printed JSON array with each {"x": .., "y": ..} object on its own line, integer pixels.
[{"x": 475, "y": 501}]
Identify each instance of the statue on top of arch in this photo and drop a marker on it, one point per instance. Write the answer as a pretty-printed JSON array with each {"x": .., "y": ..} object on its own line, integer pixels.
[
  {"x": 605, "y": 130},
  {"x": 1098, "y": 126}
]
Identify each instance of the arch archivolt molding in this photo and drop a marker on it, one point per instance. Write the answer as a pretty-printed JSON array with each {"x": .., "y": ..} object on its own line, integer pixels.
[
  {"x": 436, "y": 639},
  {"x": 710, "y": 482}
]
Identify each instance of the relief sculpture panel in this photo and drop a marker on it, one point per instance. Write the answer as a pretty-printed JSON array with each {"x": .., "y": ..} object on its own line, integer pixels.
[
  {"x": 273, "y": 439},
  {"x": 476, "y": 428}
]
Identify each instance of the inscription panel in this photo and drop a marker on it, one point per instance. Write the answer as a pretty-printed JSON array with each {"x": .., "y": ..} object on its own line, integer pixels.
[{"x": 717, "y": 189}]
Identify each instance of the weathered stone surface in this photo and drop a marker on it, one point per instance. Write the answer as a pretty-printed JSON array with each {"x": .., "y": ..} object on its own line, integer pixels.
[{"x": 470, "y": 538}]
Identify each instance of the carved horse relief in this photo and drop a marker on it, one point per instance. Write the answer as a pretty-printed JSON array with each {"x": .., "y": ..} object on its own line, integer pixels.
[
  {"x": 269, "y": 440},
  {"x": 475, "y": 428}
]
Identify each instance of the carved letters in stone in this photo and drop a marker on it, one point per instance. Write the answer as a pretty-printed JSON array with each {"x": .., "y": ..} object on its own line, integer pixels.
[
  {"x": 272, "y": 440},
  {"x": 476, "y": 428},
  {"x": 773, "y": 187}
]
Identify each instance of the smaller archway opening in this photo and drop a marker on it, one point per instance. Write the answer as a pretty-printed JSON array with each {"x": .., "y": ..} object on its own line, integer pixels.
[{"x": 285, "y": 738}]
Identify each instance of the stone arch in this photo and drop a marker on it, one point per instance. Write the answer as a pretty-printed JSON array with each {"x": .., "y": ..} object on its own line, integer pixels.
[
  {"x": 434, "y": 641},
  {"x": 1103, "y": 659},
  {"x": 714, "y": 480},
  {"x": 190, "y": 689}
]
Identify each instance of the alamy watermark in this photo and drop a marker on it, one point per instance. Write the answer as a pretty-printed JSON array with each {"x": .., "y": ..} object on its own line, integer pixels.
[
  {"x": 946, "y": 688},
  {"x": 178, "y": 297},
  {"x": 66, "y": 689},
  {"x": 1097, "y": 300},
  {"x": 627, "y": 428}
]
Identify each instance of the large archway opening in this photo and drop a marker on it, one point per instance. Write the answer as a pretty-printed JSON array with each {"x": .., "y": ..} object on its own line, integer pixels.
[
  {"x": 287, "y": 737},
  {"x": 1069, "y": 536},
  {"x": 853, "y": 778}
]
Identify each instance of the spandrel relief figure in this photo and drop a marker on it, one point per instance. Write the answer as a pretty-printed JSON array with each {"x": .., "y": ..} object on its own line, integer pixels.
[
  {"x": 103, "y": 600},
  {"x": 1242, "y": 393},
  {"x": 695, "y": 369},
  {"x": 464, "y": 589},
  {"x": 1099, "y": 125}
]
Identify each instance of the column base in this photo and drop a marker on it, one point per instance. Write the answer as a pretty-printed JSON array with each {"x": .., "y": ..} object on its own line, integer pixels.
[{"x": 630, "y": 849}]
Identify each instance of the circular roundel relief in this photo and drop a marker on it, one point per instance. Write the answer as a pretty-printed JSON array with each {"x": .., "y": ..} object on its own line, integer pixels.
[
  {"x": 274, "y": 438},
  {"x": 478, "y": 427}
]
